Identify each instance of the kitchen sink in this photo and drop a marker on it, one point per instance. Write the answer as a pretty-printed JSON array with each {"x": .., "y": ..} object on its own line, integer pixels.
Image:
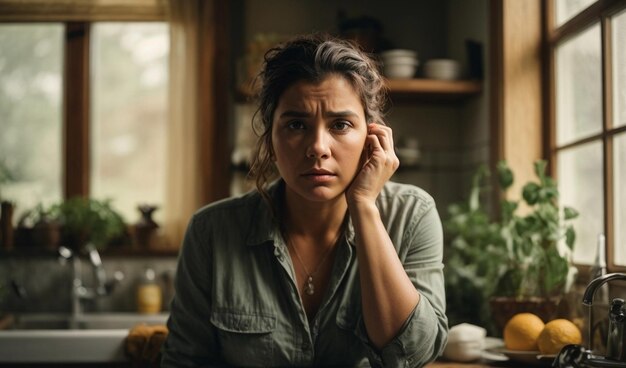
[
  {"x": 91, "y": 321},
  {"x": 61, "y": 338}
]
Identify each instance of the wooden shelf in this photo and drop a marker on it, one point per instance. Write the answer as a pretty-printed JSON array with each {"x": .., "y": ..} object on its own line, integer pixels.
[
  {"x": 433, "y": 89},
  {"x": 416, "y": 89},
  {"x": 434, "y": 86}
]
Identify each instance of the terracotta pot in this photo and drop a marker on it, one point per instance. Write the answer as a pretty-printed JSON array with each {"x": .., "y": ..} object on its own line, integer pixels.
[
  {"x": 146, "y": 228},
  {"x": 47, "y": 235},
  {"x": 503, "y": 308}
]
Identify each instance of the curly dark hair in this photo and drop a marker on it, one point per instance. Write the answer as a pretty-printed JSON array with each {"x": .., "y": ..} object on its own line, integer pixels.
[{"x": 311, "y": 58}]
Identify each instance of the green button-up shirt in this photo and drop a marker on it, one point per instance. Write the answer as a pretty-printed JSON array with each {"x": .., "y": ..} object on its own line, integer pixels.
[{"x": 237, "y": 302}]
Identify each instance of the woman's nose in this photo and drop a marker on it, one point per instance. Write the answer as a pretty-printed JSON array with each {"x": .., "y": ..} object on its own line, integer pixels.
[{"x": 318, "y": 146}]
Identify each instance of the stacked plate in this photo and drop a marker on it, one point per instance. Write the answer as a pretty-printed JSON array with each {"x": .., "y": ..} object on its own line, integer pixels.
[
  {"x": 399, "y": 63},
  {"x": 442, "y": 69}
]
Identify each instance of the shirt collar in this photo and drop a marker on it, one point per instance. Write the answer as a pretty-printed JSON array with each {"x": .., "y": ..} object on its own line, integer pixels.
[{"x": 265, "y": 228}]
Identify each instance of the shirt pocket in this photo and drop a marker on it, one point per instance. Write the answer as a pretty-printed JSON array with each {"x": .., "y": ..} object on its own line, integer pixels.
[
  {"x": 245, "y": 339},
  {"x": 347, "y": 339}
]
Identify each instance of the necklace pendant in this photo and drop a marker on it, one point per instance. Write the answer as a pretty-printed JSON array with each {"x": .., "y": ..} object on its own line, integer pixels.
[{"x": 309, "y": 288}]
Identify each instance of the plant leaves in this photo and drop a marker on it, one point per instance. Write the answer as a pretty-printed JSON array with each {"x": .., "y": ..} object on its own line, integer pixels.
[
  {"x": 505, "y": 175},
  {"x": 477, "y": 179},
  {"x": 540, "y": 170},
  {"x": 570, "y": 213},
  {"x": 570, "y": 237},
  {"x": 530, "y": 193}
]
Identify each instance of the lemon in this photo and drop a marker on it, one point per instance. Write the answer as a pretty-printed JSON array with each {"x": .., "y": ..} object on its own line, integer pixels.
[
  {"x": 521, "y": 332},
  {"x": 556, "y": 334}
]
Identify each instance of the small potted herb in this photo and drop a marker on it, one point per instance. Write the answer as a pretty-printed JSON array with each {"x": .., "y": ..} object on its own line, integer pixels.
[
  {"x": 85, "y": 220},
  {"x": 39, "y": 227}
]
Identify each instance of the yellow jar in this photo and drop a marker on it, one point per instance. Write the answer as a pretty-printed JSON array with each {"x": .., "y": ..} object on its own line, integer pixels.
[{"x": 149, "y": 295}]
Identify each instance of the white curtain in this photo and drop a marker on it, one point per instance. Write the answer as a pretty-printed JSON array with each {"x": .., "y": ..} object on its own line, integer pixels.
[{"x": 184, "y": 182}]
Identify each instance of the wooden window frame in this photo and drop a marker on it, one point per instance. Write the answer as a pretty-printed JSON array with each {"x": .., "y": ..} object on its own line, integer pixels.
[
  {"x": 601, "y": 11},
  {"x": 76, "y": 110}
]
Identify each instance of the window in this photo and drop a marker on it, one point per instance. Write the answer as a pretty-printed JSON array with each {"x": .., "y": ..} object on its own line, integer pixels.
[
  {"x": 588, "y": 124},
  {"x": 31, "y": 72},
  {"x": 129, "y": 114},
  {"x": 126, "y": 113}
]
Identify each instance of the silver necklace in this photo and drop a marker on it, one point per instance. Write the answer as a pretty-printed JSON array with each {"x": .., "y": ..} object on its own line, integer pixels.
[{"x": 309, "y": 287}]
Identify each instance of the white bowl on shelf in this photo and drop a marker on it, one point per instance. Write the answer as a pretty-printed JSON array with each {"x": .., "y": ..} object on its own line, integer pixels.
[
  {"x": 395, "y": 53},
  {"x": 399, "y": 63},
  {"x": 400, "y": 70},
  {"x": 442, "y": 69}
]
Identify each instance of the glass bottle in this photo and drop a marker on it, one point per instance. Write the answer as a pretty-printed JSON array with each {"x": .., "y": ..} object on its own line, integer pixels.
[{"x": 149, "y": 295}]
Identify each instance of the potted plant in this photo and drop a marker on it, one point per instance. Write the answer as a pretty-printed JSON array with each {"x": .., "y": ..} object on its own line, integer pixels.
[
  {"x": 39, "y": 227},
  {"x": 519, "y": 262},
  {"x": 85, "y": 220}
]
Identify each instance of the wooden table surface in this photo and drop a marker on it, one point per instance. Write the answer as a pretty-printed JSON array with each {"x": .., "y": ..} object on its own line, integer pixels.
[{"x": 478, "y": 364}]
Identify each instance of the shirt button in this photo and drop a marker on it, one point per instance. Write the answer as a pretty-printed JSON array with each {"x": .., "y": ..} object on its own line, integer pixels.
[
  {"x": 278, "y": 254},
  {"x": 306, "y": 345}
]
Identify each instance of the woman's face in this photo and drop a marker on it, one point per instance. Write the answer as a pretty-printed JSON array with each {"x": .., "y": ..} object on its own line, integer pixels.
[{"x": 318, "y": 135}]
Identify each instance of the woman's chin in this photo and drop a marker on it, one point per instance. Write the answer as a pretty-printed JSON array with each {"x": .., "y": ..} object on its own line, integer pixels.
[{"x": 320, "y": 193}]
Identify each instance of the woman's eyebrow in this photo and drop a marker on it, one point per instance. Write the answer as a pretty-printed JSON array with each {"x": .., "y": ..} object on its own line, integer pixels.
[
  {"x": 304, "y": 114},
  {"x": 294, "y": 114},
  {"x": 341, "y": 114}
]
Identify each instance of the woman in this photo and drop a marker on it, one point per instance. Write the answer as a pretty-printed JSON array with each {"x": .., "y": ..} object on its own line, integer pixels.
[{"x": 331, "y": 264}]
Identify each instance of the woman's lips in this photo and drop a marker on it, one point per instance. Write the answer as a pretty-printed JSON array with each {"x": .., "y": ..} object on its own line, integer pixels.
[{"x": 319, "y": 176}]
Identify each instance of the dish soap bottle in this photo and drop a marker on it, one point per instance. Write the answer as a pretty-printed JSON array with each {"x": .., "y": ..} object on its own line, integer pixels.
[{"x": 149, "y": 296}]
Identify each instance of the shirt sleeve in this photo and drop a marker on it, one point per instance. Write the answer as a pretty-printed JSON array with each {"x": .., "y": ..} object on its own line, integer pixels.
[
  {"x": 191, "y": 341},
  {"x": 423, "y": 336}
]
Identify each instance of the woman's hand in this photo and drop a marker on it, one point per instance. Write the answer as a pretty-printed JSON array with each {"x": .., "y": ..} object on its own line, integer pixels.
[{"x": 380, "y": 163}]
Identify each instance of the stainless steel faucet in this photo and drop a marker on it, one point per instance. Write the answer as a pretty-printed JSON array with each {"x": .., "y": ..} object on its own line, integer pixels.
[
  {"x": 575, "y": 356},
  {"x": 80, "y": 292},
  {"x": 615, "y": 338}
]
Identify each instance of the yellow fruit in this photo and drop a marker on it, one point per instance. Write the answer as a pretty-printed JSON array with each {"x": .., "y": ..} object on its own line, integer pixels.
[
  {"x": 521, "y": 332},
  {"x": 557, "y": 334}
]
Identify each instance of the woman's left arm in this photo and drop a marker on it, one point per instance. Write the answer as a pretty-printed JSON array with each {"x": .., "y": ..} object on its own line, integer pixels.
[{"x": 390, "y": 297}]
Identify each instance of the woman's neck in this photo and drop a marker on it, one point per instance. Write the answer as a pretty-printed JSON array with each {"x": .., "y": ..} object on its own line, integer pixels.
[{"x": 313, "y": 219}]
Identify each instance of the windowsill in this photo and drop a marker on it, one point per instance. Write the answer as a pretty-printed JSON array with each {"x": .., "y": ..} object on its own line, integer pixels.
[{"x": 124, "y": 251}]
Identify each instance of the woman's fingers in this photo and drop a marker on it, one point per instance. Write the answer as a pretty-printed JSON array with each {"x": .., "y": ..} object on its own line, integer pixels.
[
  {"x": 382, "y": 138},
  {"x": 384, "y": 134}
]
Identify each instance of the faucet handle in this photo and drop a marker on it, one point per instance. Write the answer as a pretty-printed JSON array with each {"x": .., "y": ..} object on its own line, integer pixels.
[
  {"x": 571, "y": 356},
  {"x": 65, "y": 254},
  {"x": 617, "y": 312}
]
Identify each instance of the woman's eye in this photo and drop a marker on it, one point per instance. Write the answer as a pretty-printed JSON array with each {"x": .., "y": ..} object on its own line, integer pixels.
[
  {"x": 295, "y": 125},
  {"x": 341, "y": 125}
]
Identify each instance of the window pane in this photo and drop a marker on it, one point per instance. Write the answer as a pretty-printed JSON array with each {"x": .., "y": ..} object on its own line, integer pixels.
[
  {"x": 31, "y": 80},
  {"x": 129, "y": 114},
  {"x": 619, "y": 71},
  {"x": 579, "y": 87},
  {"x": 581, "y": 186},
  {"x": 566, "y": 9},
  {"x": 619, "y": 185}
]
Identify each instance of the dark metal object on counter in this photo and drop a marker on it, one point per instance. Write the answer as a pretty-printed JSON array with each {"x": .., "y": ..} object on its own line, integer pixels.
[
  {"x": 576, "y": 355},
  {"x": 615, "y": 339}
]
